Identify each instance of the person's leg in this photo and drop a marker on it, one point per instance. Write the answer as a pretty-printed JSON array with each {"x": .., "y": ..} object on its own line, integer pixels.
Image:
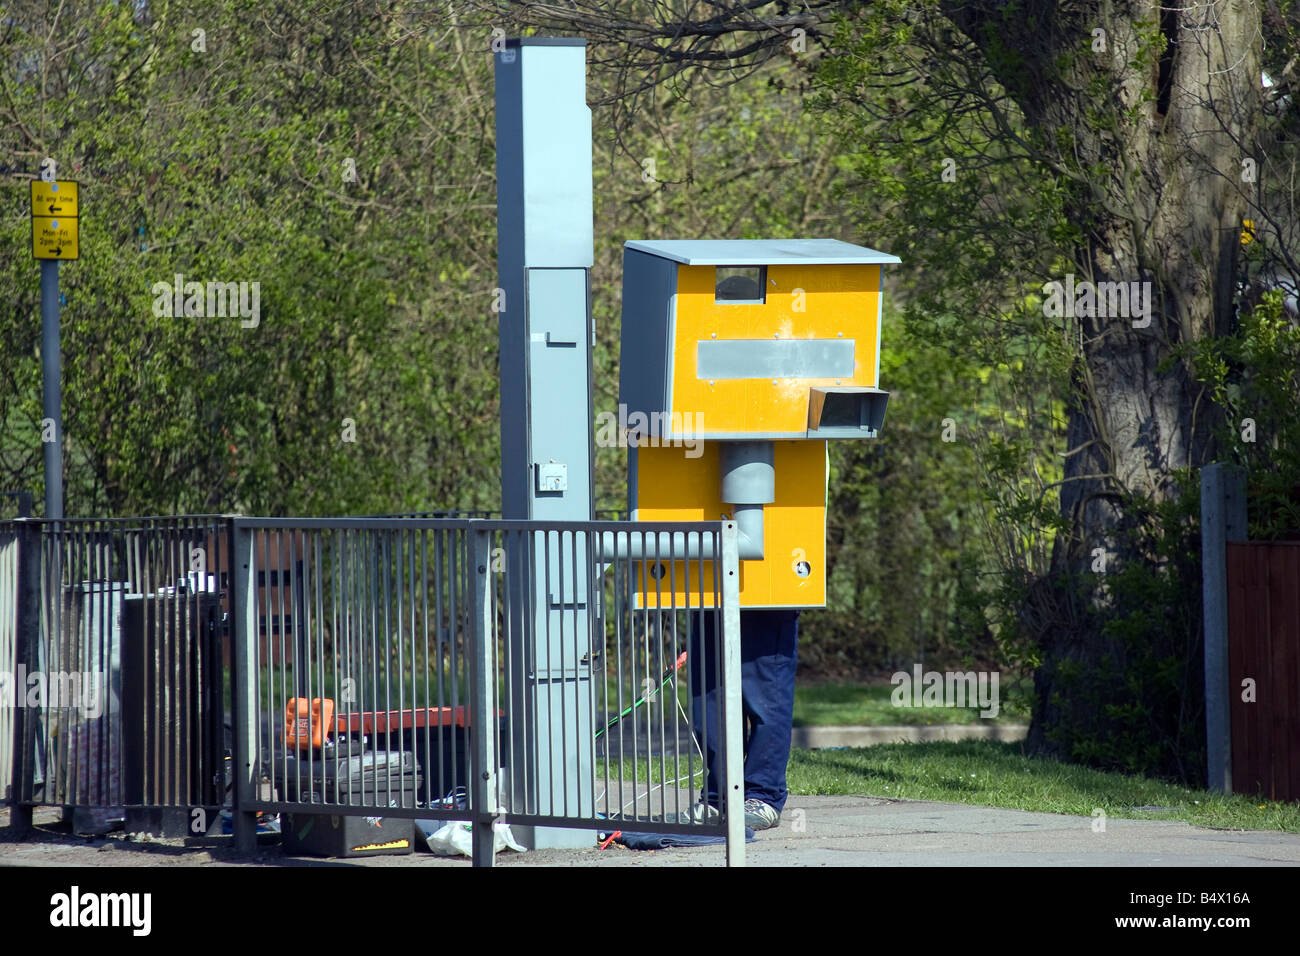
[
  {"x": 704, "y": 666},
  {"x": 769, "y": 657}
]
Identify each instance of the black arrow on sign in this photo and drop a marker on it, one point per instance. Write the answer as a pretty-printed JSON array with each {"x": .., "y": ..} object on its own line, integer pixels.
[
  {"x": 54, "y": 209},
  {"x": 58, "y": 251}
]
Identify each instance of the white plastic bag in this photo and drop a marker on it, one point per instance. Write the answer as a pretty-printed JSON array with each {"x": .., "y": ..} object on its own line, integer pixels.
[{"x": 456, "y": 838}]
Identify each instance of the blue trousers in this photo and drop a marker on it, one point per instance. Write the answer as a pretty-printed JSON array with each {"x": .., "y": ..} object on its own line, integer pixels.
[{"x": 769, "y": 654}]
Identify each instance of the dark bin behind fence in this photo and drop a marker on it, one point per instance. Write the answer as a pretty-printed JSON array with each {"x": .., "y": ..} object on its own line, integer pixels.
[{"x": 171, "y": 683}]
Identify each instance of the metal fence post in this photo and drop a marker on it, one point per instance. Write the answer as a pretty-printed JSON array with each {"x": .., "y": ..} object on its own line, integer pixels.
[
  {"x": 733, "y": 743},
  {"x": 1223, "y": 519},
  {"x": 243, "y": 667},
  {"x": 483, "y": 761},
  {"x": 28, "y": 634}
]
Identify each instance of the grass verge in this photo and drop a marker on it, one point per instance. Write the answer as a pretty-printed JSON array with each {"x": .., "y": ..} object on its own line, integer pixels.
[
  {"x": 994, "y": 774},
  {"x": 864, "y": 705}
]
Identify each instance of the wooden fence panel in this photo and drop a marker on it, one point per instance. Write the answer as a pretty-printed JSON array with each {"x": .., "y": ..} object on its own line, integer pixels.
[{"x": 1264, "y": 646}]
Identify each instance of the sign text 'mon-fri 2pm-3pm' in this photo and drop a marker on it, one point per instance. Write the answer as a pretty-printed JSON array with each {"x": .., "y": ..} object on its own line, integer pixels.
[{"x": 54, "y": 219}]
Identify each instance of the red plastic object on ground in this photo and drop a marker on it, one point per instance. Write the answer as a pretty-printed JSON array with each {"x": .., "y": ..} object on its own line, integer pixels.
[{"x": 382, "y": 722}]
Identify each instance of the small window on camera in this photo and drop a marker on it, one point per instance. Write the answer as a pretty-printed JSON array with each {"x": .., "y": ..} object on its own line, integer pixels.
[{"x": 740, "y": 285}]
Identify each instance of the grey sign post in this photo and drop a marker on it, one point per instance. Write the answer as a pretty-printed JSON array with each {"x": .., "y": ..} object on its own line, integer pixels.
[
  {"x": 51, "y": 389},
  {"x": 544, "y": 254},
  {"x": 55, "y": 208}
]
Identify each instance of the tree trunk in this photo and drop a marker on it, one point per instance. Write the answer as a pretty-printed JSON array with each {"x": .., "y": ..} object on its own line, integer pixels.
[{"x": 1157, "y": 165}]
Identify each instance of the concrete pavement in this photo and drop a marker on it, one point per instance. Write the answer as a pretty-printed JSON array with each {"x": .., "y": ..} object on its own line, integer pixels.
[{"x": 814, "y": 831}]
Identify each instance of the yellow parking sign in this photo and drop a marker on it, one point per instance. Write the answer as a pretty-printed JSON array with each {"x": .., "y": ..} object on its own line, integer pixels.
[
  {"x": 54, "y": 219},
  {"x": 54, "y": 238}
]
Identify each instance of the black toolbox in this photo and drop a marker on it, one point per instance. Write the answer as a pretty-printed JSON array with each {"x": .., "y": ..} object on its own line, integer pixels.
[
  {"x": 444, "y": 755},
  {"x": 340, "y": 783}
]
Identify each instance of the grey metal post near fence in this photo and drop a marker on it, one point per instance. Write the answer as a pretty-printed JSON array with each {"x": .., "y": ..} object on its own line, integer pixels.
[
  {"x": 243, "y": 665},
  {"x": 28, "y": 618},
  {"x": 1223, "y": 519},
  {"x": 732, "y": 719},
  {"x": 483, "y": 759}
]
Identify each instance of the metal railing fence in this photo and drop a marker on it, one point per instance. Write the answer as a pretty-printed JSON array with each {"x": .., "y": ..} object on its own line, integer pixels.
[
  {"x": 110, "y": 631},
  {"x": 551, "y": 676},
  {"x": 409, "y": 636}
]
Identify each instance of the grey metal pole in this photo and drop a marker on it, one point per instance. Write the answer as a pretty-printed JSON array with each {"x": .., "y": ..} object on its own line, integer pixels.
[
  {"x": 483, "y": 761},
  {"x": 244, "y": 662},
  {"x": 733, "y": 738},
  {"x": 1223, "y": 519},
  {"x": 51, "y": 388},
  {"x": 26, "y": 758}
]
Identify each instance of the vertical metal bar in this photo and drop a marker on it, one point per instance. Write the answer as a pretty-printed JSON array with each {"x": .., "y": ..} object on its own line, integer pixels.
[
  {"x": 459, "y": 642},
  {"x": 298, "y": 541},
  {"x": 169, "y": 684},
  {"x": 396, "y": 643},
  {"x": 338, "y": 623},
  {"x": 414, "y": 558},
  {"x": 96, "y": 603},
  {"x": 595, "y": 652},
  {"x": 187, "y": 650},
  {"x": 69, "y": 634},
  {"x": 424, "y": 700},
  {"x": 169, "y": 670},
  {"x": 412, "y": 590},
  {"x": 575, "y": 687},
  {"x": 622, "y": 594},
  {"x": 346, "y": 583},
  {"x": 139, "y": 715},
  {"x": 155, "y": 669},
  {"x": 384, "y": 641},
  {"x": 27, "y": 634},
  {"x": 483, "y": 662},
  {"x": 370, "y": 556},
  {"x": 624, "y": 583},
  {"x": 312, "y": 573},
  {"x": 518, "y": 650},
  {"x": 442, "y": 625},
  {"x": 209, "y": 661},
  {"x": 277, "y": 658},
  {"x": 60, "y": 640},
  {"x": 77, "y": 723},
  {"x": 244, "y": 676},
  {"x": 156, "y": 666},
  {"x": 730, "y": 636},
  {"x": 186, "y": 647},
  {"x": 547, "y": 669},
  {"x": 43, "y": 652},
  {"x": 499, "y": 621},
  {"x": 561, "y": 615},
  {"x": 506, "y": 589},
  {"x": 526, "y": 621}
]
